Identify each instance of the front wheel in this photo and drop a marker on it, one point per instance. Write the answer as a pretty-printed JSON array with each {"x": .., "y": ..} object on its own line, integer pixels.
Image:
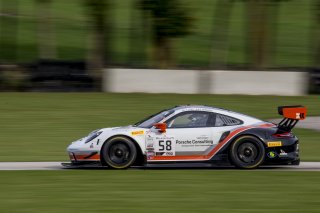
[
  {"x": 119, "y": 153},
  {"x": 247, "y": 152}
]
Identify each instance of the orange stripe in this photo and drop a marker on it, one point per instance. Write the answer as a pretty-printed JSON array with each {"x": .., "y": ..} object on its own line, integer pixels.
[
  {"x": 83, "y": 157},
  {"x": 266, "y": 125}
]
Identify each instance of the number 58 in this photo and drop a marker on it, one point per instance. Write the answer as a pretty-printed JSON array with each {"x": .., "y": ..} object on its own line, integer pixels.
[{"x": 165, "y": 145}]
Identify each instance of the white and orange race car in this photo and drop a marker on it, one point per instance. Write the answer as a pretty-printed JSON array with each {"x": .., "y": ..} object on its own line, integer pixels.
[{"x": 190, "y": 134}]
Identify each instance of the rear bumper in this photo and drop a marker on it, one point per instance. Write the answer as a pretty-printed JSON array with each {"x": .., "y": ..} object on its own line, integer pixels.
[{"x": 283, "y": 155}]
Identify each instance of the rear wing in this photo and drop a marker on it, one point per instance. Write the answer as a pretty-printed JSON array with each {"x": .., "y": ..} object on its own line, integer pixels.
[{"x": 291, "y": 116}]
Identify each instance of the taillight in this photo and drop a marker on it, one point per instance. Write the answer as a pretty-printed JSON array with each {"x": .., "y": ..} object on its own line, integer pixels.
[{"x": 283, "y": 135}]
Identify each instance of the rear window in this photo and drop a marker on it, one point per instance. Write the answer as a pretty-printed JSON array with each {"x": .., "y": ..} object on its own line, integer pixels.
[{"x": 224, "y": 120}]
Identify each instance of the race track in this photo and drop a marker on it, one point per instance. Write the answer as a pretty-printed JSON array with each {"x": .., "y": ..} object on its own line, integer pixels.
[{"x": 304, "y": 166}]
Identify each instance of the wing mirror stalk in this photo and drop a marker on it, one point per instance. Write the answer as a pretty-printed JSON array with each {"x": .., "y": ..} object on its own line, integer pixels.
[{"x": 161, "y": 127}]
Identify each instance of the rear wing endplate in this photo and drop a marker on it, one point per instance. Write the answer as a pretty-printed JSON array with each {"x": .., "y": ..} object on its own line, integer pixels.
[{"x": 291, "y": 116}]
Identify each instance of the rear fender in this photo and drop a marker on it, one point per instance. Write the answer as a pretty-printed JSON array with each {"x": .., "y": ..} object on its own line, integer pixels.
[{"x": 263, "y": 134}]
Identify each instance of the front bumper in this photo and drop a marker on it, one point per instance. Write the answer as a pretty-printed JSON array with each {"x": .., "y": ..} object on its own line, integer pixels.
[
  {"x": 82, "y": 164},
  {"x": 76, "y": 157},
  {"x": 79, "y": 151}
]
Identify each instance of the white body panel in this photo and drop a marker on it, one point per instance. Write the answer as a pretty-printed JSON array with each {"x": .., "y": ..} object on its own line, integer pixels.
[{"x": 174, "y": 142}]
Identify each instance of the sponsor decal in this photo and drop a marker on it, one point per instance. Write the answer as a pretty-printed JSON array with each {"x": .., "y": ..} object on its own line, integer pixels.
[
  {"x": 283, "y": 153},
  {"x": 195, "y": 142},
  {"x": 274, "y": 143},
  {"x": 149, "y": 142},
  {"x": 272, "y": 154},
  {"x": 164, "y": 154},
  {"x": 202, "y": 137},
  {"x": 150, "y": 155},
  {"x": 140, "y": 132},
  {"x": 298, "y": 115}
]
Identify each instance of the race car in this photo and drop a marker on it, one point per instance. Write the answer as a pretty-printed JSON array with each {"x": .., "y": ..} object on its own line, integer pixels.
[{"x": 193, "y": 134}]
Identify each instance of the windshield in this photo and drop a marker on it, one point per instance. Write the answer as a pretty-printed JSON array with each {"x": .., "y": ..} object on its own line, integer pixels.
[{"x": 151, "y": 120}]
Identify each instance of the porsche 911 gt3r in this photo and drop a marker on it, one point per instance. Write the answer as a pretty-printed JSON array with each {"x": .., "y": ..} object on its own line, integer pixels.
[{"x": 194, "y": 134}]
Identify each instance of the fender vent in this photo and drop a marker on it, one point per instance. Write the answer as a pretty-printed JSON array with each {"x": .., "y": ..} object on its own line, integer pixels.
[{"x": 224, "y": 136}]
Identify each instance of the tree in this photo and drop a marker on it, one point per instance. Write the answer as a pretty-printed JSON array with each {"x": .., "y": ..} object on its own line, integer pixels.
[
  {"x": 221, "y": 24},
  {"x": 261, "y": 29},
  {"x": 8, "y": 30},
  {"x": 257, "y": 17},
  {"x": 45, "y": 30},
  {"x": 316, "y": 35},
  {"x": 139, "y": 35},
  {"x": 169, "y": 20},
  {"x": 261, "y": 25},
  {"x": 99, "y": 47}
]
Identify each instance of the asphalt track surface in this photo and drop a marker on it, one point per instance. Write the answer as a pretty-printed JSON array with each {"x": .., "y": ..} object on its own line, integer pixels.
[{"x": 6, "y": 166}]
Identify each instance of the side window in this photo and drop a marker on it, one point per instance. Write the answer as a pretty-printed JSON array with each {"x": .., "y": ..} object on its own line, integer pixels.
[
  {"x": 189, "y": 120},
  {"x": 224, "y": 120}
]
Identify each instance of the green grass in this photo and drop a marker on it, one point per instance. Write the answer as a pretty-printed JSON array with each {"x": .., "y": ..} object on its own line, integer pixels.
[
  {"x": 39, "y": 126},
  {"x": 159, "y": 191},
  {"x": 71, "y": 27},
  {"x": 309, "y": 144}
]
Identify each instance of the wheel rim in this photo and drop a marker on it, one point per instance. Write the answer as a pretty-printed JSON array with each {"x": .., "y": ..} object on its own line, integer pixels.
[
  {"x": 247, "y": 153},
  {"x": 119, "y": 153}
]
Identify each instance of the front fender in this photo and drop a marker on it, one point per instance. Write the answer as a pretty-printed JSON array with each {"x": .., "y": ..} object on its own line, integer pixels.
[{"x": 135, "y": 134}]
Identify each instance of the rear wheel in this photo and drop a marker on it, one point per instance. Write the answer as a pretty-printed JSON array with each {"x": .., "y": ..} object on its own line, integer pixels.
[
  {"x": 119, "y": 153},
  {"x": 247, "y": 152}
]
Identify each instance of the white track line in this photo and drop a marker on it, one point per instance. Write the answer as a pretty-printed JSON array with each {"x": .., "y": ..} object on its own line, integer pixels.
[
  {"x": 304, "y": 166},
  {"x": 30, "y": 165}
]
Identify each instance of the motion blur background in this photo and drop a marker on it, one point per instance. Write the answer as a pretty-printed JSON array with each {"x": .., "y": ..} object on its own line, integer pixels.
[
  {"x": 160, "y": 46},
  {"x": 65, "y": 45}
]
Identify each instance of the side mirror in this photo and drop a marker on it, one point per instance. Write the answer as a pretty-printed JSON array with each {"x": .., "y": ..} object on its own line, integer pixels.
[{"x": 161, "y": 127}]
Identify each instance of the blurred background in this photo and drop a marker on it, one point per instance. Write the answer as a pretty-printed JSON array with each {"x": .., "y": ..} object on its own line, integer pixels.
[
  {"x": 269, "y": 48},
  {"x": 65, "y": 45}
]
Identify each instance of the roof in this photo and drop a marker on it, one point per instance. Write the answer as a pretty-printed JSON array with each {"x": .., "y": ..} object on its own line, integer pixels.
[
  {"x": 200, "y": 106},
  {"x": 216, "y": 109}
]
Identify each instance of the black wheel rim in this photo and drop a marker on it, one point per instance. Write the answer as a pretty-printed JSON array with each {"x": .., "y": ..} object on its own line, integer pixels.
[
  {"x": 119, "y": 153},
  {"x": 248, "y": 153}
]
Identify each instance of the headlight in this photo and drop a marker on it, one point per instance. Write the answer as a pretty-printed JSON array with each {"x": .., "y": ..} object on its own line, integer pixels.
[{"x": 92, "y": 136}]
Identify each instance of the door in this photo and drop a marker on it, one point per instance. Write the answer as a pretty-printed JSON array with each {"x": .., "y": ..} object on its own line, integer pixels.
[{"x": 189, "y": 135}]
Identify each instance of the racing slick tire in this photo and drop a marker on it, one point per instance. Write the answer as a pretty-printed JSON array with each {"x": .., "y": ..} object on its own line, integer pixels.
[
  {"x": 247, "y": 152},
  {"x": 118, "y": 153}
]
